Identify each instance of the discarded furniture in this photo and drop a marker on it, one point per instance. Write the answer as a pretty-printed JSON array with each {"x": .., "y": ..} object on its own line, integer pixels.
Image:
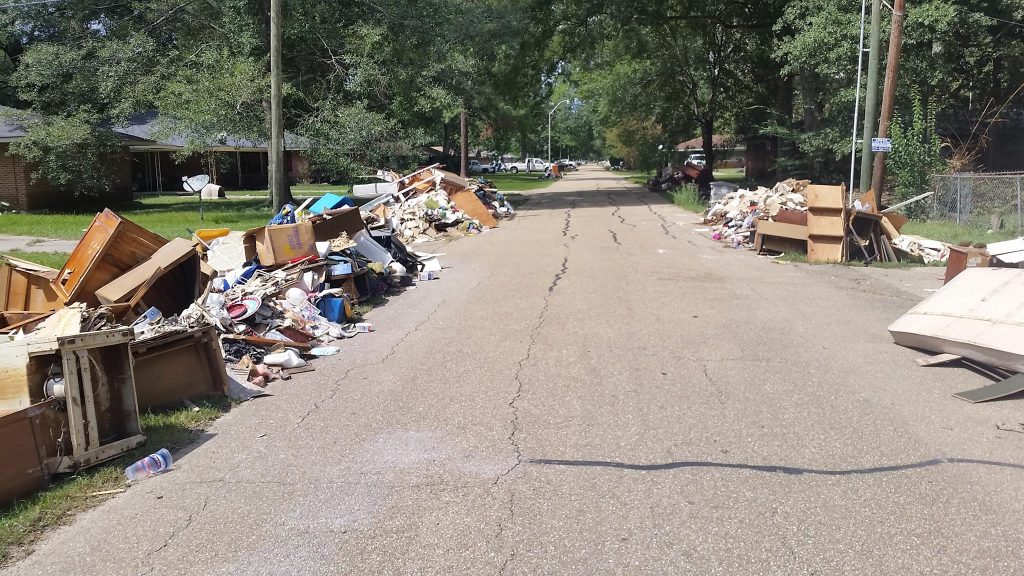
[
  {"x": 91, "y": 373},
  {"x": 962, "y": 258},
  {"x": 467, "y": 201},
  {"x": 30, "y": 449},
  {"x": 169, "y": 280},
  {"x": 979, "y": 315},
  {"x": 25, "y": 287},
  {"x": 826, "y": 223},
  {"x": 178, "y": 366},
  {"x": 780, "y": 237},
  {"x": 110, "y": 247}
]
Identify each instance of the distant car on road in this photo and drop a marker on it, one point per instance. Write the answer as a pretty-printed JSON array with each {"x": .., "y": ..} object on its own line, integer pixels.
[
  {"x": 567, "y": 165},
  {"x": 530, "y": 165},
  {"x": 698, "y": 159}
]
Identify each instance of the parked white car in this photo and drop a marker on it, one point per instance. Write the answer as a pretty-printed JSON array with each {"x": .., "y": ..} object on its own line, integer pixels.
[
  {"x": 697, "y": 159},
  {"x": 530, "y": 165}
]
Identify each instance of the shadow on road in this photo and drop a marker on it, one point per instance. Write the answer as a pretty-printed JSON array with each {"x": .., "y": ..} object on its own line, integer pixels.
[
  {"x": 772, "y": 469},
  {"x": 591, "y": 199}
]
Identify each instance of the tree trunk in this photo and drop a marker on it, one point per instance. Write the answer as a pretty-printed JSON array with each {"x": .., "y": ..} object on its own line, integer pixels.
[
  {"x": 464, "y": 144},
  {"x": 707, "y": 132}
]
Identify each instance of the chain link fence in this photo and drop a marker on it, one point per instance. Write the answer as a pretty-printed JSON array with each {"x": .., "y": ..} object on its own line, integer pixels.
[{"x": 977, "y": 200}]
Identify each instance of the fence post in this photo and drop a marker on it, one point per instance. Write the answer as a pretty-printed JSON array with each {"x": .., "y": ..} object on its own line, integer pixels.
[
  {"x": 958, "y": 199},
  {"x": 1020, "y": 216}
]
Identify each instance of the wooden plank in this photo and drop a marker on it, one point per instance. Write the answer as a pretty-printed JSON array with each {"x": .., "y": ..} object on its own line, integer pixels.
[
  {"x": 937, "y": 360},
  {"x": 1008, "y": 387},
  {"x": 467, "y": 201},
  {"x": 827, "y": 223},
  {"x": 122, "y": 288},
  {"x": 979, "y": 315},
  {"x": 825, "y": 249},
  {"x": 827, "y": 197},
  {"x": 269, "y": 342},
  {"x": 14, "y": 391},
  {"x": 782, "y": 230}
]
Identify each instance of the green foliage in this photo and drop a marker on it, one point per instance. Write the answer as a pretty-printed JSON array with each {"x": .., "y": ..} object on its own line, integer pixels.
[
  {"x": 346, "y": 138},
  {"x": 636, "y": 141},
  {"x": 915, "y": 155},
  {"x": 70, "y": 152}
]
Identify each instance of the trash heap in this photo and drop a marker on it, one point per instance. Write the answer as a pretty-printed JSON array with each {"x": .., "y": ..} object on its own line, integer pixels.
[
  {"x": 134, "y": 321},
  {"x": 798, "y": 216}
]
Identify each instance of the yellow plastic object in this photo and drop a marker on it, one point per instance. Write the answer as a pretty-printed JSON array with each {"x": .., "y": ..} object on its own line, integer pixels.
[{"x": 208, "y": 234}]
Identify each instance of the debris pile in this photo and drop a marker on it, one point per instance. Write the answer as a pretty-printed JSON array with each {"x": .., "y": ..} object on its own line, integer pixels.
[
  {"x": 797, "y": 216},
  {"x": 134, "y": 321}
]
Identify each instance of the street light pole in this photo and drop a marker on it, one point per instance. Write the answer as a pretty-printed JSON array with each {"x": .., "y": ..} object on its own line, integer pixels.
[{"x": 549, "y": 127}]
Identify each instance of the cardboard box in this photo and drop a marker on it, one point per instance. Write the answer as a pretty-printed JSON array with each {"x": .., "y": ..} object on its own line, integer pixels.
[
  {"x": 349, "y": 221},
  {"x": 276, "y": 245}
]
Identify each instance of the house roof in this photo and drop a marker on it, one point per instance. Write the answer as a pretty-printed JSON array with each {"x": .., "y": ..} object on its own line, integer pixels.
[
  {"x": 717, "y": 141},
  {"x": 11, "y": 129},
  {"x": 146, "y": 124}
]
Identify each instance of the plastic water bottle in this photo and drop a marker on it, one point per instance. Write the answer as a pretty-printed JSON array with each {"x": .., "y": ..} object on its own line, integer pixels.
[{"x": 149, "y": 466}]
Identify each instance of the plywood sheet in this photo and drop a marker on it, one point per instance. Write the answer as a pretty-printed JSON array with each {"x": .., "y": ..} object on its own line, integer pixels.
[
  {"x": 979, "y": 315},
  {"x": 467, "y": 201},
  {"x": 828, "y": 223}
]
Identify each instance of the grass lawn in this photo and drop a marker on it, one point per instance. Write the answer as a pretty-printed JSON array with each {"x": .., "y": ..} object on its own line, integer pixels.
[
  {"x": 953, "y": 233},
  {"x": 518, "y": 182},
  {"x": 24, "y": 522},
  {"x": 165, "y": 215},
  {"x": 298, "y": 190},
  {"x": 52, "y": 259}
]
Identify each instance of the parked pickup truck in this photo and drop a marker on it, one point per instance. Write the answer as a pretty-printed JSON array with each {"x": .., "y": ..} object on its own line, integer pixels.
[
  {"x": 475, "y": 167},
  {"x": 530, "y": 165}
]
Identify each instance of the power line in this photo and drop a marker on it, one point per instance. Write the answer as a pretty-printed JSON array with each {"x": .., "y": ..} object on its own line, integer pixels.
[{"x": 33, "y": 3}]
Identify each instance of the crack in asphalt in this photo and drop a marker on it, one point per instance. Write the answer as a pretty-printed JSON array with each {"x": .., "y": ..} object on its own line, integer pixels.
[
  {"x": 710, "y": 380},
  {"x": 391, "y": 352},
  {"x": 664, "y": 222},
  {"x": 615, "y": 237},
  {"x": 178, "y": 531},
  {"x": 618, "y": 209},
  {"x": 518, "y": 381}
]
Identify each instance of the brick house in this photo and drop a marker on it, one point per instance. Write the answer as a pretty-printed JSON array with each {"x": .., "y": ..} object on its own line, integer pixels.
[
  {"x": 232, "y": 162},
  {"x": 20, "y": 192}
]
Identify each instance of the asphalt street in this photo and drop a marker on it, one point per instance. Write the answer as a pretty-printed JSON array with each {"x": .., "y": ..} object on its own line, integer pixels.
[{"x": 595, "y": 387}]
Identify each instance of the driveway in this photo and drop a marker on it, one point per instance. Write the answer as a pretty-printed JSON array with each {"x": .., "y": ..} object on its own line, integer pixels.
[{"x": 594, "y": 388}]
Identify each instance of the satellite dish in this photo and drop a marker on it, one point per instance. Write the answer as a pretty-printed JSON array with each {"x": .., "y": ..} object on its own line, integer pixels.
[{"x": 195, "y": 183}]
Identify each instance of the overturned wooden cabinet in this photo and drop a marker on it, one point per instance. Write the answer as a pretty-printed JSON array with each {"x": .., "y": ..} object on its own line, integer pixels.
[
  {"x": 178, "y": 366},
  {"x": 89, "y": 376}
]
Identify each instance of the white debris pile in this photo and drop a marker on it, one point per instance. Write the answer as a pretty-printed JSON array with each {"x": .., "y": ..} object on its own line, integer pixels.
[
  {"x": 928, "y": 250},
  {"x": 736, "y": 214}
]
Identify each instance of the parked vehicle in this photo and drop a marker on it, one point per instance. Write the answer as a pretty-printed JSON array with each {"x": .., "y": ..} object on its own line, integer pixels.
[
  {"x": 475, "y": 167},
  {"x": 567, "y": 165},
  {"x": 697, "y": 159},
  {"x": 530, "y": 165}
]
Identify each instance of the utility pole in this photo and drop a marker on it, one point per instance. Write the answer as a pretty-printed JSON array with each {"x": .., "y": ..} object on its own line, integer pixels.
[
  {"x": 871, "y": 104},
  {"x": 892, "y": 68},
  {"x": 278, "y": 190},
  {"x": 549, "y": 127},
  {"x": 464, "y": 135}
]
